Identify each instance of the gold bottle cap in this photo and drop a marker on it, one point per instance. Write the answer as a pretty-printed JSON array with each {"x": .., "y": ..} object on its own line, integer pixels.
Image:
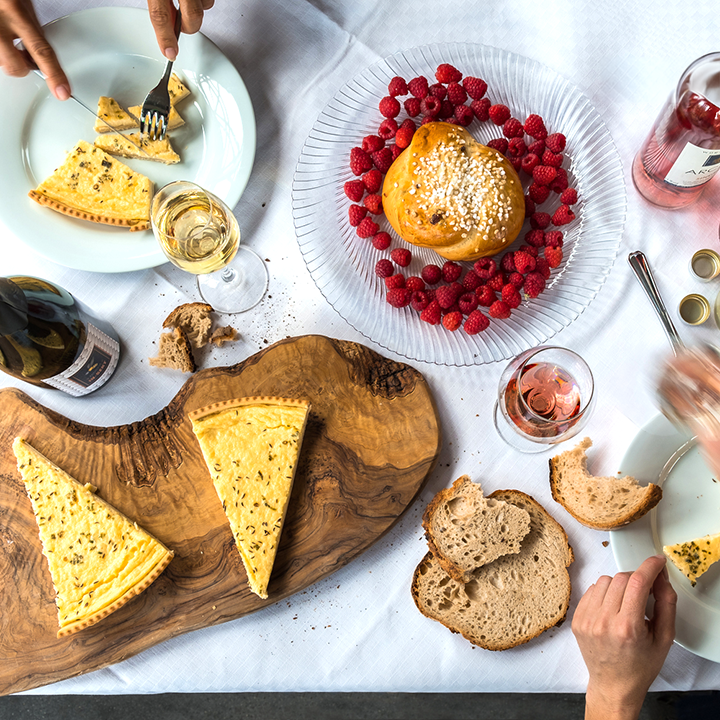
[
  {"x": 694, "y": 309},
  {"x": 705, "y": 265}
]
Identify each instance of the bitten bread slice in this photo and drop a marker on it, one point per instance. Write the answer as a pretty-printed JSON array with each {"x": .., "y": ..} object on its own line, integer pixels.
[
  {"x": 138, "y": 146},
  {"x": 511, "y": 600},
  {"x": 98, "y": 558},
  {"x": 194, "y": 318},
  {"x": 694, "y": 557},
  {"x": 465, "y": 530},
  {"x": 175, "y": 352},
  {"x": 251, "y": 447},
  {"x": 603, "y": 503}
]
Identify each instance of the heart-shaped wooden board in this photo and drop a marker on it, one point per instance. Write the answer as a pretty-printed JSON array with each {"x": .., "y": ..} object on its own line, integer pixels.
[{"x": 372, "y": 439}]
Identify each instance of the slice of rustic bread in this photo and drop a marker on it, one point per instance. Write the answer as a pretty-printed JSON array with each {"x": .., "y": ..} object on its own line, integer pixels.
[
  {"x": 174, "y": 352},
  {"x": 511, "y": 600},
  {"x": 194, "y": 319},
  {"x": 602, "y": 503},
  {"x": 465, "y": 530}
]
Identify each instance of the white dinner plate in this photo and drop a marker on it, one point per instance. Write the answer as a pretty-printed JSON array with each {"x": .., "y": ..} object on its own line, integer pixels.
[
  {"x": 690, "y": 508},
  {"x": 113, "y": 51}
]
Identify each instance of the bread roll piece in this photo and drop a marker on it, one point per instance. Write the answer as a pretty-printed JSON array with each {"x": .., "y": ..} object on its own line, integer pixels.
[
  {"x": 175, "y": 352},
  {"x": 448, "y": 192},
  {"x": 602, "y": 503},
  {"x": 194, "y": 319},
  {"x": 465, "y": 530},
  {"x": 511, "y": 600}
]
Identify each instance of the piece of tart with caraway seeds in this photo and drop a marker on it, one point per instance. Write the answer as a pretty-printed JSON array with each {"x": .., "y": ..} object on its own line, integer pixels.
[
  {"x": 138, "y": 146},
  {"x": 251, "y": 447},
  {"x": 98, "y": 558},
  {"x": 694, "y": 557}
]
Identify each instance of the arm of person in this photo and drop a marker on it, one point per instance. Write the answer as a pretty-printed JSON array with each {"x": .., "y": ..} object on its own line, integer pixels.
[
  {"x": 162, "y": 16},
  {"x": 623, "y": 650},
  {"x": 19, "y": 21}
]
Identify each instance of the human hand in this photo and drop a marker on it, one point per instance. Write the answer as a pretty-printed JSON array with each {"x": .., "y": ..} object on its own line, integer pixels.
[
  {"x": 18, "y": 21},
  {"x": 162, "y": 16},
  {"x": 623, "y": 651}
]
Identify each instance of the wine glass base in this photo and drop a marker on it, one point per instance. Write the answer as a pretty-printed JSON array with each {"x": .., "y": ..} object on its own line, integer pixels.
[
  {"x": 239, "y": 286},
  {"x": 515, "y": 440}
]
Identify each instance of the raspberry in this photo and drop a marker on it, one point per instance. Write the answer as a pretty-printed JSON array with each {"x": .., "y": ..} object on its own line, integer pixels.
[
  {"x": 471, "y": 281},
  {"x": 404, "y": 137},
  {"x": 381, "y": 241},
  {"x": 427, "y": 119},
  {"x": 414, "y": 283},
  {"x": 446, "y": 296},
  {"x": 395, "y": 150},
  {"x": 372, "y": 180},
  {"x": 485, "y": 295},
  {"x": 496, "y": 282},
  {"x": 395, "y": 281},
  {"x": 499, "y": 309},
  {"x": 485, "y": 268},
  {"x": 539, "y": 193},
  {"x": 517, "y": 279},
  {"x": 542, "y": 267},
  {"x": 418, "y": 87},
  {"x": 474, "y": 87},
  {"x": 412, "y": 106},
  {"x": 447, "y": 110},
  {"x": 499, "y": 114},
  {"x": 516, "y": 149},
  {"x": 510, "y": 296},
  {"x": 432, "y": 313},
  {"x": 569, "y": 196},
  {"x": 512, "y": 128},
  {"x": 360, "y": 161},
  {"x": 464, "y": 115},
  {"x": 354, "y": 189},
  {"x": 398, "y": 297},
  {"x": 371, "y": 143},
  {"x": 401, "y": 256},
  {"x": 563, "y": 215},
  {"x": 534, "y": 284},
  {"x": 544, "y": 174},
  {"x": 476, "y": 322},
  {"x": 529, "y": 249},
  {"x": 516, "y": 162},
  {"x": 431, "y": 274},
  {"x": 389, "y": 107},
  {"x": 537, "y": 147},
  {"x": 560, "y": 183},
  {"x": 356, "y": 213},
  {"x": 539, "y": 220},
  {"x": 507, "y": 263},
  {"x": 554, "y": 256},
  {"x": 367, "y": 228},
  {"x": 535, "y": 127},
  {"x": 419, "y": 300},
  {"x": 553, "y": 238},
  {"x": 556, "y": 142},
  {"x": 453, "y": 320},
  {"x": 535, "y": 238},
  {"x": 499, "y": 144},
  {"x": 438, "y": 90},
  {"x": 524, "y": 262},
  {"x": 373, "y": 203},
  {"x": 467, "y": 302},
  {"x": 384, "y": 268},
  {"x": 447, "y": 74},
  {"x": 552, "y": 159},
  {"x": 387, "y": 129},
  {"x": 383, "y": 159},
  {"x": 481, "y": 109},
  {"x": 397, "y": 86},
  {"x": 451, "y": 271},
  {"x": 529, "y": 206},
  {"x": 456, "y": 94},
  {"x": 430, "y": 106}
]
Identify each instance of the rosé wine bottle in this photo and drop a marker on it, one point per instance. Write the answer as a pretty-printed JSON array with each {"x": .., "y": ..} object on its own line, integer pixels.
[{"x": 682, "y": 152}]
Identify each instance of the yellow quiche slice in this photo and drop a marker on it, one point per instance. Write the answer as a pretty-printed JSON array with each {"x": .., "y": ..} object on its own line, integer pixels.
[
  {"x": 694, "y": 557},
  {"x": 176, "y": 89},
  {"x": 175, "y": 120},
  {"x": 92, "y": 185},
  {"x": 109, "y": 110},
  {"x": 138, "y": 146},
  {"x": 251, "y": 447},
  {"x": 98, "y": 558}
]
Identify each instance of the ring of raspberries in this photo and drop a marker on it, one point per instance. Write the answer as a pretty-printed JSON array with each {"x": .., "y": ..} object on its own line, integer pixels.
[{"x": 442, "y": 293}]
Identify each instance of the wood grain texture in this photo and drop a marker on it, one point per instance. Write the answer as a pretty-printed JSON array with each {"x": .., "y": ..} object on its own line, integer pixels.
[{"x": 372, "y": 438}]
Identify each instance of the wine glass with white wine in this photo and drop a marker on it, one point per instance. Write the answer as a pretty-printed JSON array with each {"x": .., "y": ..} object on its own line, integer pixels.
[{"x": 200, "y": 234}]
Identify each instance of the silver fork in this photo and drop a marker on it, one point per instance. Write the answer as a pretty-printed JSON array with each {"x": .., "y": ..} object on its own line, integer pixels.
[{"x": 156, "y": 108}]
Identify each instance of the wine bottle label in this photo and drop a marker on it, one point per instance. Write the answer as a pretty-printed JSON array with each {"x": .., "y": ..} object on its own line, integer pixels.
[
  {"x": 694, "y": 166},
  {"x": 92, "y": 368}
]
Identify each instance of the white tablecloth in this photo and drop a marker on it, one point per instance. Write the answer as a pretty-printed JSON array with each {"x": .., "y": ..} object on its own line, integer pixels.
[{"x": 359, "y": 630}]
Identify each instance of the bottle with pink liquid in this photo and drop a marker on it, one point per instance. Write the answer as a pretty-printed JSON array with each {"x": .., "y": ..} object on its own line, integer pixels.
[{"x": 682, "y": 152}]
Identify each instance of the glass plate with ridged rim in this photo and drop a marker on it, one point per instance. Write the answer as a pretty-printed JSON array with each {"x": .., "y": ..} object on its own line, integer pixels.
[{"x": 343, "y": 264}]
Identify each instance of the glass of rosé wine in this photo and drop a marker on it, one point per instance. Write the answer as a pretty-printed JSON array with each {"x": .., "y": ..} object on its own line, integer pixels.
[{"x": 545, "y": 396}]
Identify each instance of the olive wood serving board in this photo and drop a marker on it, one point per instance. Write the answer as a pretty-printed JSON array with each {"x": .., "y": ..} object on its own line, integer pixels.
[{"x": 372, "y": 438}]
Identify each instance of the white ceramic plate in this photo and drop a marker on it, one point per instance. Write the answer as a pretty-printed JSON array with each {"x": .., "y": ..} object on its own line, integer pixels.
[
  {"x": 113, "y": 51},
  {"x": 690, "y": 508}
]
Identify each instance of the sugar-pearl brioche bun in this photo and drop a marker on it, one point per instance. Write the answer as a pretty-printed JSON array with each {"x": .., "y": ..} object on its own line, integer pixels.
[{"x": 448, "y": 192}]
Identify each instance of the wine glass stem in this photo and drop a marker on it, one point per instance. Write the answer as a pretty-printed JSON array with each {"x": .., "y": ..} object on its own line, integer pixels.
[{"x": 228, "y": 274}]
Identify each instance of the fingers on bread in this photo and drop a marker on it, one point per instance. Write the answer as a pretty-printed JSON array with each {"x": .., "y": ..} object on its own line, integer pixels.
[
  {"x": 512, "y": 599},
  {"x": 602, "y": 503}
]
